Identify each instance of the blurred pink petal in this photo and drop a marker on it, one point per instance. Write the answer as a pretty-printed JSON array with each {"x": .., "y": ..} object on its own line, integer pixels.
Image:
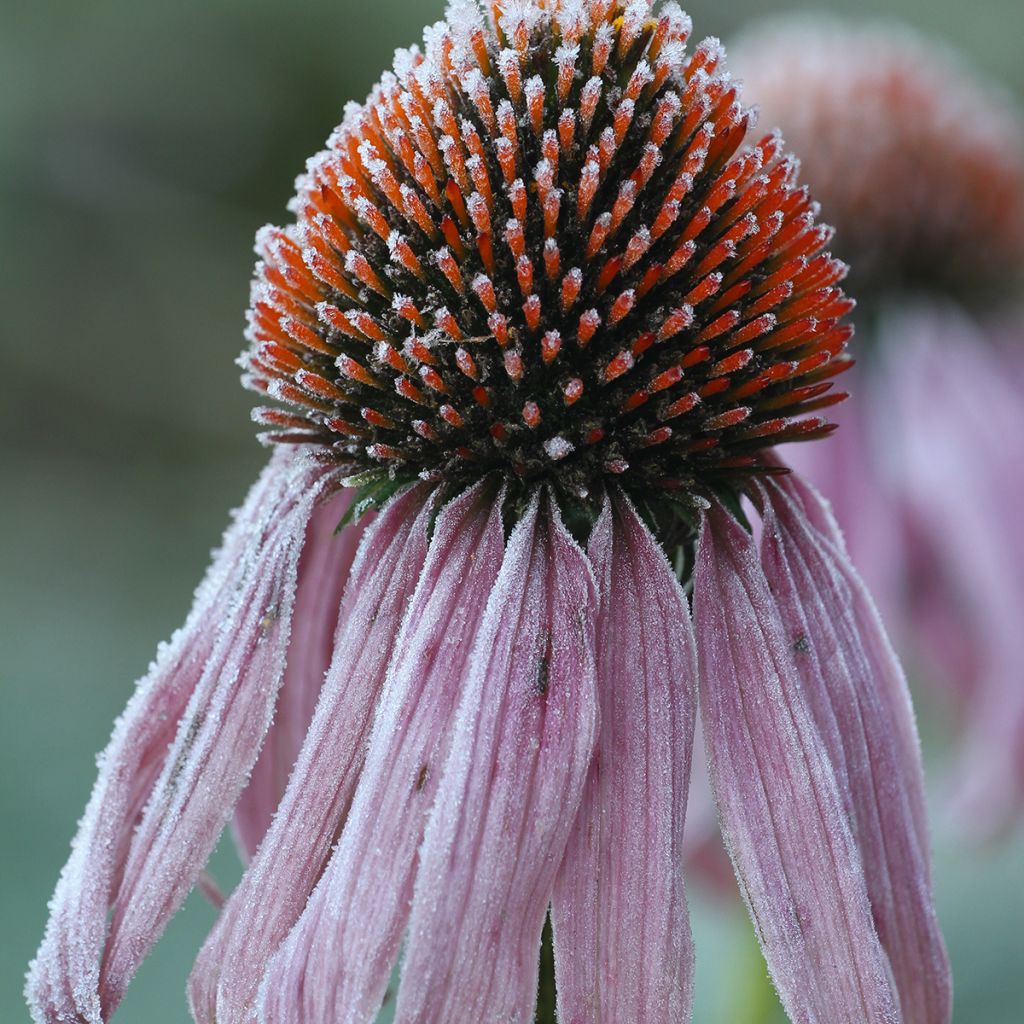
[
  {"x": 781, "y": 803},
  {"x": 866, "y": 510},
  {"x": 145, "y": 797},
  {"x": 323, "y": 572},
  {"x": 336, "y": 963},
  {"x": 510, "y": 787},
  {"x": 960, "y": 427},
  {"x": 274, "y": 890},
  {"x": 856, "y": 694},
  {"x": 622, "y": 941}
]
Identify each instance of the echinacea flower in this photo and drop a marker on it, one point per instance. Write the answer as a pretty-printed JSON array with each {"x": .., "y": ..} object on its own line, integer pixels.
[
  {"x": 921, "y": 167},
  {"x": 547, "y": 313},
  {"x": 916, "y": 160}
]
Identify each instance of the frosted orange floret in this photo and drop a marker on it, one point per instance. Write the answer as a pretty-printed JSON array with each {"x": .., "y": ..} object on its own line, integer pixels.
[{"x": 541, "y": 247}]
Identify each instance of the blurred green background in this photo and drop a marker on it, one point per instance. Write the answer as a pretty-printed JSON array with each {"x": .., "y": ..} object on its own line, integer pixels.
[{"x": 141, "y": 146}]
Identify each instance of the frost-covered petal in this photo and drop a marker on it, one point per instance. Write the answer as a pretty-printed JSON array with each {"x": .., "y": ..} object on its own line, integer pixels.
[
  {"x": 64, "y": 979},
  {"x": 780, "y": 803},
  {"x": 335, "y": 964},
  {"x": 886, "y": 672},
  {"x": 859, "y": 701},
  {"x": 324, "y": 567},
  {"x": 510, "y": 787},
  {"x": 622, "y": 941},
  {"x": 274, "y": 889},
  {"x": 217, "y": 741}
]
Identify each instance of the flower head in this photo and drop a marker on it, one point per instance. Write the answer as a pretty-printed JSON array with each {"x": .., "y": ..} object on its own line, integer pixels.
[
  {"x": 917, "y": 161},
  {"x": 547, "y": 312},
  {"x": 541, "y": 247}
]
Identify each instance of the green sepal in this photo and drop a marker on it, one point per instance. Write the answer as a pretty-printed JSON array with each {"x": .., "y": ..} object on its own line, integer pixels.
[{"x": 373, "y": 490}]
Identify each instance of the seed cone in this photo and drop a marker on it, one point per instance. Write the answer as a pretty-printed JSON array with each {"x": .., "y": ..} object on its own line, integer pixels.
[{"x": 541, "y": 248}]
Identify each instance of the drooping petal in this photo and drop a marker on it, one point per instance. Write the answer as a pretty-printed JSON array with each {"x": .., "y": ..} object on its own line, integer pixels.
[
  {"x": 958, "y": 424},
  {"x": 781, "y": 805},
  {"x": 274, "y": 889},
  {"x": 335, "y": 964},
  {"x": 622, "y": 941},
  {"x": 216, "y": 745},
  {"x": 64, "y": 979},
  {"x": 860, "y": 704},
  {"x": 848, "y": 468},
  {"x": 885, "y": 669},
  {"x": 510, "y": 788},
  {"x": 324, "y": 566}
]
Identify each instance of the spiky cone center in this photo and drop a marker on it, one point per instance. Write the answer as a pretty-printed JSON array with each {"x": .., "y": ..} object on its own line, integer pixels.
[{"x": 541, "y": 248}]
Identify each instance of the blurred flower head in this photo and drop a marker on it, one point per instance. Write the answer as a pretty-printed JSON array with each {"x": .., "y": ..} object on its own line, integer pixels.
[
  {"x": 543, "y": 313},
  {"x": 916, "y": 159}
]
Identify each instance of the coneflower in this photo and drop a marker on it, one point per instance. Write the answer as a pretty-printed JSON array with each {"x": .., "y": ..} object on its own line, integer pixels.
[
  {"x": 916, "y": 160},
  {"x": 930, "y": 206},
  {"x": 542, "y": 313}
]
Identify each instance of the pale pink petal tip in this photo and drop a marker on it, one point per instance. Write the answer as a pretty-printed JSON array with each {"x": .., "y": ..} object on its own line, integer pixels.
[
  {"x": 178, "y": 757},
  {"x": 780, "y": 801},
  {"x": 623, "y": 949}
]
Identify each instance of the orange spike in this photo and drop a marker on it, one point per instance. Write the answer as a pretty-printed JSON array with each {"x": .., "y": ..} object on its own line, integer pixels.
[
  {"x": 355, "y": 371},
  {"x": 573, "y": 391},
  {"x": 531, "y": 311},
  {"x": 550, "y": 345},
  {"x": 622, "y": 307},
  {"x": 571, "y": 285},
  {"x": 589, "y": 323},
  {"x": 466, "y": 363},
  {"x": 409, "y": 391},
  {"x": 622, "y": 363},
  {"x": 451, "y": 416},
  {"x": 452, "y": 237}
]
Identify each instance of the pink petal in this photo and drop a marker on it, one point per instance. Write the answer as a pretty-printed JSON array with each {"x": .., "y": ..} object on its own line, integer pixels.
[
  {"x": 780, "y": 802},
  {"x": 324, "y": 567},
  {"x": 889, "y": 682},
  {"x": 850, "y": 469},
  {"x": 959, "y": 423},
  {"x": 336, "y": 962},
  {"x": 64, "y": 979},
  {"x": 510, "y": 788},
  {"x": 858, "y": 698},
  {"x": 274, "y": 890},
  {"x": 217, "y": 742},
  {"x": 623, "y": 950}
]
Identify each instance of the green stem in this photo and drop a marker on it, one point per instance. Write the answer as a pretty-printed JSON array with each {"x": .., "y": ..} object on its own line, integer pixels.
[{"x": 546, "y": 981}]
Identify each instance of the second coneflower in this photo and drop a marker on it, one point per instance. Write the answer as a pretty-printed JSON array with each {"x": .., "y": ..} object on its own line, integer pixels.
[{"x": 545, "y": 312}]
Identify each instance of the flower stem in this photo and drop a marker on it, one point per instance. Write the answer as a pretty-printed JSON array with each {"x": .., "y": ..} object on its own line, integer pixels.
[{"x": 546, "y": 980}]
